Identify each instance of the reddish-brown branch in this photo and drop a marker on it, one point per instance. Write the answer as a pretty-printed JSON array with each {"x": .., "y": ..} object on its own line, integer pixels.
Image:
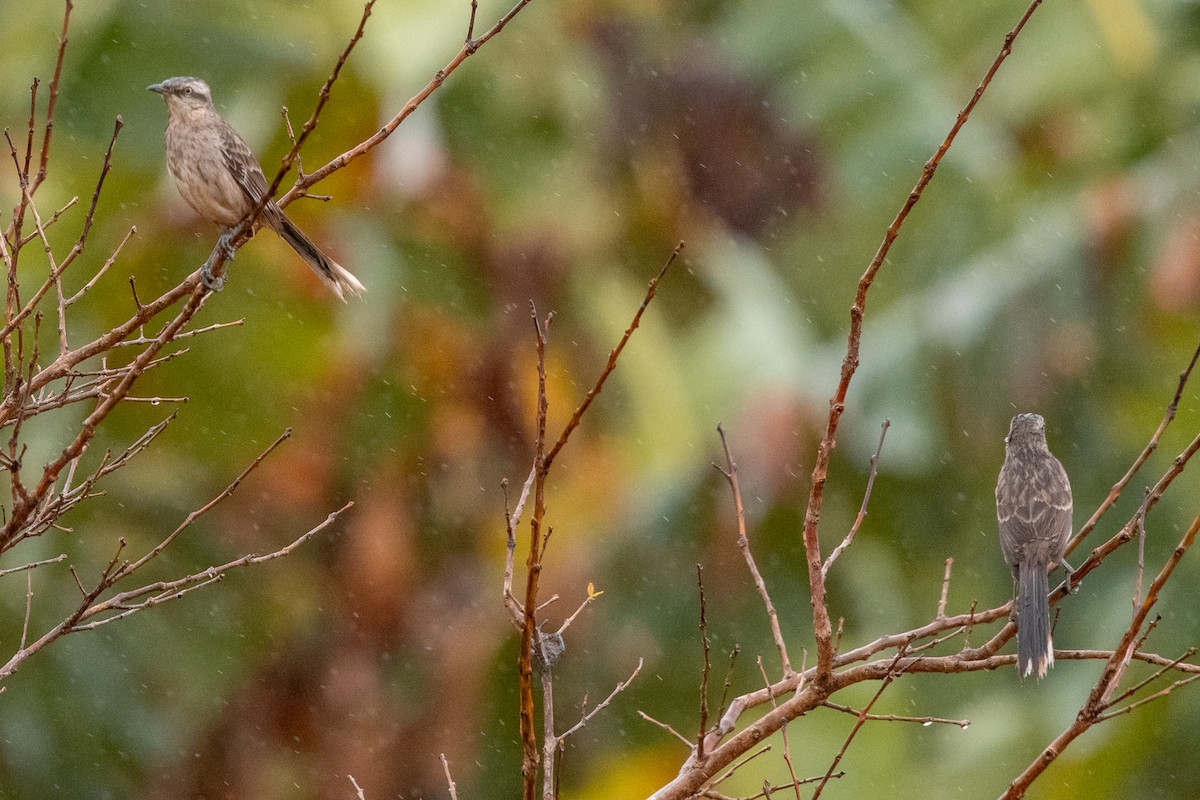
[
  {"x": 53, "y": 101},
  {"x": 322, "y": 98},
  {"x": 613, "y": 355},
  {"x": 705, "y": 645},
  {"x": 862, "y": 509},
  {"x": 1115, "y": 492},
  {"x": 822, "y": 629},
  {"x": 858, "y": 723},
  {"x": 533, "y": 568},
  {"x": 130, "y": 602},
  {"x": 130, "y": 568},
  {"x": 783, "y": 734},
  {"x": 743, "y": 543},
  {"x": 468, "y": 49},
  {"x": 1127, "y": 531},
  {"x": 1117, "y": 662},
  {"x": 22, "y": 510}
]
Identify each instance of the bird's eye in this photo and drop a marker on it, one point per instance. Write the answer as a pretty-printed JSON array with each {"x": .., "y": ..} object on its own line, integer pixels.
[{"x": 187, "y": 90}]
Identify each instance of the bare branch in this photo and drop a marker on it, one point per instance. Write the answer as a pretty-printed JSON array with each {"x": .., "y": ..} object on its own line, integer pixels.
[
  {"x": 862, "y": 718},
  {"x": 603, "y": 704},
  {"x": 822, "y": 629},
  {"x": 707, "y": 666},
  {"x": 449, "y": 780},
  {"x": 131, "y": 568},
  {"x": 958, "y": 723},
  {"x": 34, "y": 565},
  {"x": 862, "y": 511},
  {"x": 613, "y": 355},
  {"x": 50, "y": 107},
  {"x": 686, "y": 741},
  {"x": 1115, "y": 492},
  {"x": 743, "y": 543},
  {"x": 941, "y": 608},
  {"x": 373, "y": 141},
  {"x": 322, "y": 97}
]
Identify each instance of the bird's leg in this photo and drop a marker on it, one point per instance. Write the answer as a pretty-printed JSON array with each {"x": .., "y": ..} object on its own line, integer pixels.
[
  {"x": 224, "y": 245},
  {"x": 212, "y": 281},
  {"x": 1067, "y": 568}
]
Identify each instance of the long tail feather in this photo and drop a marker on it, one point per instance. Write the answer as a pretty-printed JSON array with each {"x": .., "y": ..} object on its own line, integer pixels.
[
  {"x": 336, "y": 277},
  {"x": 1035, "y": 650}
]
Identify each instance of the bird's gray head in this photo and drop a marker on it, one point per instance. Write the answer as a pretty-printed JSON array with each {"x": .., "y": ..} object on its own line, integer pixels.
[
  {"x": 1026, "y": 428},
  {"x": 183, "y": 93}
]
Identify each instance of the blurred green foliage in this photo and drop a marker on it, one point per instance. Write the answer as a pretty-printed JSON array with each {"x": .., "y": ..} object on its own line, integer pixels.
[{"x": 1051, "y": 266}]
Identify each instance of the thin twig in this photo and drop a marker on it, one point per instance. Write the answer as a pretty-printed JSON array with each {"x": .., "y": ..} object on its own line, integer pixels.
[
  {"x": 686, "y": 741},
  {"x": 1158, "y": 673},
  {"x": 364, "y": 147},
  {"x": 613, "y": 355},
  {"x": 743, "y": 543},
  {"x": 28, "y": 608},
  {"x": 739, "y": 764},
  {"x": 34, "y": 565},
  {"x": 471, "y": 22},
  {"x": 104, "y": 268},
  {"x": 1160, "y": 694},
  {"x": 862, "y": 510},
  {"x": 603, "y": 704},
  {"x": 958, "y": 723},
  {"x": 153, "y": 553},
  {"x": 728, "y": 683},
  {"x": 592, "y": 594},
  {"x": 862, "y": 718},
  {"x": 1141, "y": 550},
  {"x": 822, "y": 628},
  {"x": 162, "y": 591},
  {"x": 512, "y": 521},
  {"x": 787, "y": 747},
  {"x": 322, "y": 97},
  {"x": 1115, "y": 492},
  {"x": 449, "y": 780},
  {"x": 941, "y": 607},
  {"x": 53, "y": 102},
  {"x": 707, "y": 666}
]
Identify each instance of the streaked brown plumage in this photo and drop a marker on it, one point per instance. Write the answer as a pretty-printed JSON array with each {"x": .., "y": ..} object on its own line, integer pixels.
[
  {"x": 219, "y": 177},
  {"x": 1033, "y": 507}
]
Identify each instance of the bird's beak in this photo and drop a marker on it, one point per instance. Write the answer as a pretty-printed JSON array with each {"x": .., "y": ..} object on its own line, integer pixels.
[{"x": 157, "y": 87}]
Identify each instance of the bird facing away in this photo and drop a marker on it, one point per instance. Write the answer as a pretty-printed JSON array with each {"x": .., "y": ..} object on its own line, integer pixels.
[
  {"x": 1033, "y": 506},
  {"x": 218, "y": 176}
]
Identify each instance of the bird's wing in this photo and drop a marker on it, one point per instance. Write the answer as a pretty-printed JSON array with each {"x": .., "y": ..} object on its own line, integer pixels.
[
  {"x": 1034, "y": 509},
  {"x": 1059, "y": 506},
  {"x": 242, "y": 164}
]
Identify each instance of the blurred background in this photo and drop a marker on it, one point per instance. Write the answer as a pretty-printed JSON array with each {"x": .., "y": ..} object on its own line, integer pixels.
[{"x": 1053, "y": 265}]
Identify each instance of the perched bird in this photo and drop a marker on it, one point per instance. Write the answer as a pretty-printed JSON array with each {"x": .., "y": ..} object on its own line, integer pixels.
[
  {"x": 219, "y": 177},
  {"x": 1033, "y": 506}
]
